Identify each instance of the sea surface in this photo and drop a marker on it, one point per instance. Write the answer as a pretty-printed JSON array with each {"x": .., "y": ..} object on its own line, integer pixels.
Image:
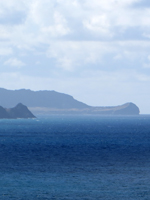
[{"x": 82, "y": 157}]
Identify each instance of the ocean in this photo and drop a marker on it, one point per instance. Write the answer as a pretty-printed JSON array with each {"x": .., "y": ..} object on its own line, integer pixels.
[{"x": 80, "y": 157}]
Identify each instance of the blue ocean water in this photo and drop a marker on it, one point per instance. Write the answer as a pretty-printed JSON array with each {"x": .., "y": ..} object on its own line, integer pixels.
[{"x": 75, "y": 157}]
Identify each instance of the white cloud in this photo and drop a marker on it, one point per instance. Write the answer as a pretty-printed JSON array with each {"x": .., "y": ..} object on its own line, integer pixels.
[
  {"x": 45, "y": 20},
  {"x": 99, "y": 24},
  {"x": 146, "y": 65},
  {"x": 89, "y": 40},
  {"x": 117, "y": 57},
  {"x": 147, "y": 35},
  {"x": 5, "y": 51},
  {"x": 14, "y": 62},
  {"x": 78, "y": 54},
  {"x": 59, "y": 28},
  {"x": 4, "y": 33}
]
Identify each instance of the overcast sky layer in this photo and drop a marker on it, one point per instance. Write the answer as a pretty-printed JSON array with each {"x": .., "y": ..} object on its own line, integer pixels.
[{"x": 97, "y": 51}]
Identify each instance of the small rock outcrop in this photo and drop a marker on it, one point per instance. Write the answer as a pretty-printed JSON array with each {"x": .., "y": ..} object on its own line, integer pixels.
[
  {"x": 3, "y": 113},
  {"x": 19, "y": 111}
]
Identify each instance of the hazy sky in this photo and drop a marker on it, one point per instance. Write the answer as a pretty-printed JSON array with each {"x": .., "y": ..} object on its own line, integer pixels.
[{"x": 97, "y": 51}]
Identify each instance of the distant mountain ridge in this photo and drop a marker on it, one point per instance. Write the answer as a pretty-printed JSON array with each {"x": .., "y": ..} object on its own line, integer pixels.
[
  {"x": 50, "y": 99},
  {"x": 51, "y": 102}
]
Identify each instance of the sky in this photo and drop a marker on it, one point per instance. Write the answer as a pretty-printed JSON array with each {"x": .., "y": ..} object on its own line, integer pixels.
[{"x": 97, "y": 51}]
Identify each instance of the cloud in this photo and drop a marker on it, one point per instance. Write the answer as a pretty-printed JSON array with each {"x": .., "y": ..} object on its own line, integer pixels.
[
  {"x": 5, "y": 51},
  {"x": 98, "y": 24},
  {"x": 117, "y": 57},
  {"x": 77, "y": 55},
  {"x": 14, "y": 62},
  {"x": 73, "y": 54},
  {"x": 42, "y": 21},
  {"x": 101, "y": 45}
]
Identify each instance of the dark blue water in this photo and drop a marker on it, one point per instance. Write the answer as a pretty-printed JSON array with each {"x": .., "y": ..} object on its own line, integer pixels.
[{"x": 75, "y": 157}]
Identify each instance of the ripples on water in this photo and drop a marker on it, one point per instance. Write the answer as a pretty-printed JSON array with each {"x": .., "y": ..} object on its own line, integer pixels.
[{"x": 75, "y": 157}]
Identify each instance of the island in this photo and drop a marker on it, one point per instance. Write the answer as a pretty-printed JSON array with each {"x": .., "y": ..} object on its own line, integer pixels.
[
  {"x": 19, "y": 111},
  {"x": 51, "y": 102}
]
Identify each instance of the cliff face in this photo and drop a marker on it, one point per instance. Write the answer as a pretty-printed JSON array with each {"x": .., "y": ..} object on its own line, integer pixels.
[{"x": 19, "y": 111}]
